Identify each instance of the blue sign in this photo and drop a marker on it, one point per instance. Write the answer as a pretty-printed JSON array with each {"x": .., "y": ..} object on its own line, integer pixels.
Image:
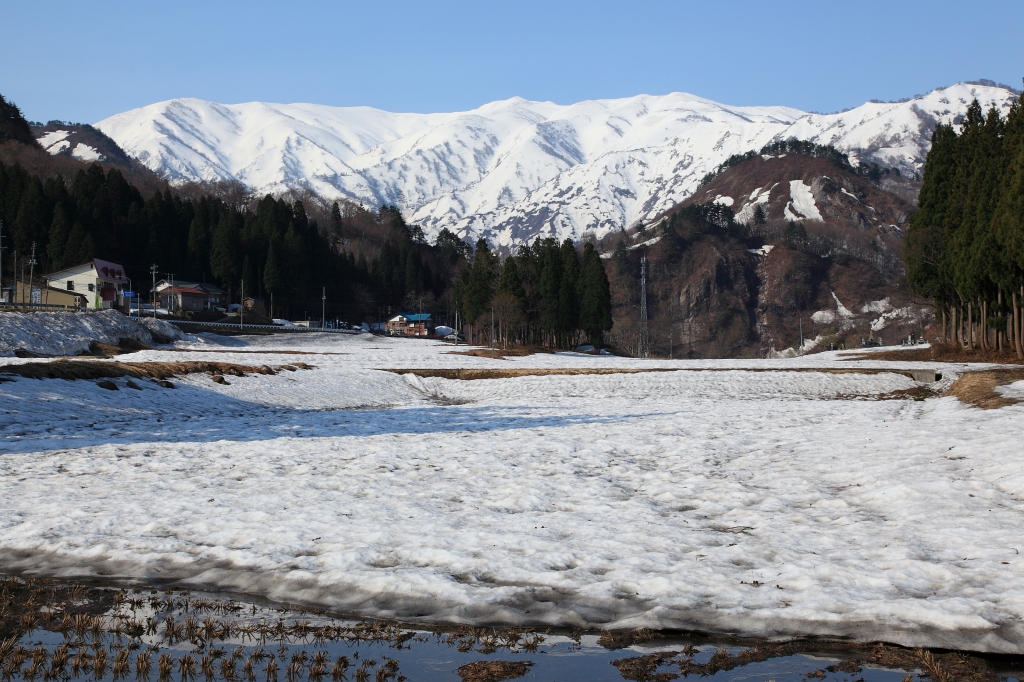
[{"x": 128, "y": 294}]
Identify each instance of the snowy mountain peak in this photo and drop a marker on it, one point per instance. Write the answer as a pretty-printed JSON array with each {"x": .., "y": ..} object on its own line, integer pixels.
[{"x": 513, "y": 169}]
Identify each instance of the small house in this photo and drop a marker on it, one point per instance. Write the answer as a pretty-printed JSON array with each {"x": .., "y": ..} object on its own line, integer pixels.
[
  {"x": 48, "y": 297},
  {"x": 193, "y": 296},
  {"x": 100, "y": 282},
  {"x": 410, "y": 324}
]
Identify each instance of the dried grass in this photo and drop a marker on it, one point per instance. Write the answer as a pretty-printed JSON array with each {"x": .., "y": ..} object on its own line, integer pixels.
[
  {"x": 938, "y": 352},
  {"x": 93, "y": 369},
  {"x": 474, "y": 374},
  {"x": 493, "y": 671},
  {"x": 978, "y": 388}
]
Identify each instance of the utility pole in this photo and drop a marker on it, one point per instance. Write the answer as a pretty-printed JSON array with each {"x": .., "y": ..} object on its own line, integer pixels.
[
  {"x": 801, "y": 334},
  {"x": 152, "y": 271},
  {"x": 2, "y": 247},
  {"x": 241, "y": 305},
  {"x": 16, "y": 278},
  {"x": 670, "y": 344},
  {"x": 492, "y": 331},
  {"x": 170, "y": 278},
  {"x": 643, "y": 349},
  {"x": 31, "y": 272},
  {"x": 323, "y": 308}
]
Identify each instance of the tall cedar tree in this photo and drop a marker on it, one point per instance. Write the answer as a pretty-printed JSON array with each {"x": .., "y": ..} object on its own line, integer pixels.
[
  {"x": 595, "y": 297},
  {"x": 965, "y": 245}
]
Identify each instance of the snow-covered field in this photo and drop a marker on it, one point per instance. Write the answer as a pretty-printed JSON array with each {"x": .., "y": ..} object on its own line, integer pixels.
[{"x": 721, "y": 497}]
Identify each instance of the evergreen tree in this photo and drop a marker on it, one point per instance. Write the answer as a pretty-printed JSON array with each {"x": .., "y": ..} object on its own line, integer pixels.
[
  {"x": 549, "y": 286},
  {"x": 925, "y": 232},
  {"x": 510, "y": 282},
  {"x": 13, "y": 125},
  {"x": 199, "y": 244},
  {"x": 273, "y": 278},
  {"x": 595, "y": 297},
  {"x": 80, "y": 247},
  {"x": 568, "y": 302},
  {"x": 621, "y": 257},
  {"x": 225, "y": 250},
  {"x": 480, "y": 285},
  {"x": 60, "y": 233}
]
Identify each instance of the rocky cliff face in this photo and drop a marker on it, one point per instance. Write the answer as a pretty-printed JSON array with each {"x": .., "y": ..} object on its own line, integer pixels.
[{"x": 814, "y": 252}]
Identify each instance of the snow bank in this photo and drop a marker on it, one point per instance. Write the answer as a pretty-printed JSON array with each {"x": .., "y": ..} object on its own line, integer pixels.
[
  {"x": 622, "y": 500},
  {"x": 164, "y": 329},
  {"x": 66, "y": 333}
]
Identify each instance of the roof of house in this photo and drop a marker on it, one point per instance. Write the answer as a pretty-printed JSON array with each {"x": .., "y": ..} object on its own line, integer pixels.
[
  {"x": 416, "y": 317},
  {"x": 109, "y": 270},
  {"x": 204, "y": 287},
  {"x": 104, "y": 268},
  {"x": 186, "y": 290}
]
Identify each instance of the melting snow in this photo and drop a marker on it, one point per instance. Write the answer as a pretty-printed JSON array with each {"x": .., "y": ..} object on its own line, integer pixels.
[
  {"x": 824, "y": 317},
  {"x": 758, "y": 196},
  {"x": 803, "y": 202},
  {"x": 724, "y": 201},
  {"x": 877, "y": 306},
  {"x": 624, "y": 500},
  {"x": 52, "y": 138},
  {"x": 86, "y": 153},
  {"x": 840, "y": 308}
]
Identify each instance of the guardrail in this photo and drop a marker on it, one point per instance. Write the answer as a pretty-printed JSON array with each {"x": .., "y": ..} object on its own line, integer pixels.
[{"x": 227, "y": 326}]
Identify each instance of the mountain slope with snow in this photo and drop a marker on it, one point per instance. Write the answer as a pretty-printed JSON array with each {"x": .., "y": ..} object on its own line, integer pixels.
[{"x": 515, "y": 169}]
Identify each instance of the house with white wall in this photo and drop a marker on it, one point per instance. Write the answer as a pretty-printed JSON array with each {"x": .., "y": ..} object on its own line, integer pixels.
[{"x": 100, "y": 281}]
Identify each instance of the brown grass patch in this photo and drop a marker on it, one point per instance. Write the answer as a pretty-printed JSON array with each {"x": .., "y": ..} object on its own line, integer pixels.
[
  {"x": 978, "y": 388},
  {"x": 107, "y": 350},
  {"x": 939, "y": 352},
  {"x": 517, "y": 352},
  {"x": 254, "y": 352},
  {"x": 939, "y": 667},
  {"x": 473, "y": 374},
  {"x": 915, "y": 393},
  {"x": 622, "y": 639},
  {"x": 493, "y": 671},
  {"x": 92, "y": 370}
]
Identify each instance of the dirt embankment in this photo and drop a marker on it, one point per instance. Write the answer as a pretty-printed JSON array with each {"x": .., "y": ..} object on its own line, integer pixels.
[
  {"x": 473, "y": 374},
  {"x": 92, "y": 370}
]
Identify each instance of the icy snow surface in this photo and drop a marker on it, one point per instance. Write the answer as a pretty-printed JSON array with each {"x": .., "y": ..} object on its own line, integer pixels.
[
  {"x": 512, "y": 170},
  {"x": 623, "y": 500}
]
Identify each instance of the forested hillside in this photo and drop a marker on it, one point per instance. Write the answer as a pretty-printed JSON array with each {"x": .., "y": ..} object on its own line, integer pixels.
[
  {"x": 369, "y": 264},
  {"x": 787, "y": 249},
  {"x": 965, "y": 244},
  {"x": 546, "y": 294}
]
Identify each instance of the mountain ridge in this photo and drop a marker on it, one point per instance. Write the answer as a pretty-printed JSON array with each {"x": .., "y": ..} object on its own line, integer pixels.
[{"x": 512, "y": 170}]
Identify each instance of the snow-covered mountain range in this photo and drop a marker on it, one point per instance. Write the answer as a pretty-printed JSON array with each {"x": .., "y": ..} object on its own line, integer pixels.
[{"x": 515, "y": 169}]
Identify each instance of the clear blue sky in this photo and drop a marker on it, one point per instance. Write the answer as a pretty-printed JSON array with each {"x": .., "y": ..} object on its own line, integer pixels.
[{"x": 83, "y": 61}]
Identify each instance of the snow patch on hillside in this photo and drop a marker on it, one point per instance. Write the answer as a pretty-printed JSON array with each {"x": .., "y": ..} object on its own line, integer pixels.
[
  {"x": 84, "y": 152},
  {"x": 802, "y": 202},
  {"x": 54, "y": 142}
]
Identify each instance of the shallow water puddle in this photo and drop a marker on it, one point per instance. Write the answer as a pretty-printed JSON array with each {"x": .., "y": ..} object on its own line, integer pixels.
[{"x": 62, "y": 631}]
